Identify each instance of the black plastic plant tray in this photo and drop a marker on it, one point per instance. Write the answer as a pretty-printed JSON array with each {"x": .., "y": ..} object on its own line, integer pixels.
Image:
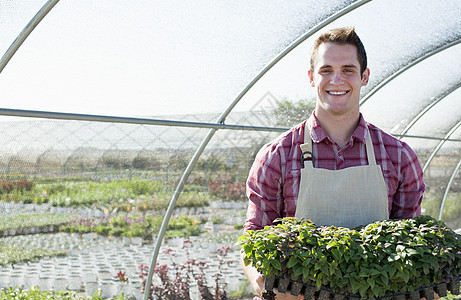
[{"x": 296, "y": 288}]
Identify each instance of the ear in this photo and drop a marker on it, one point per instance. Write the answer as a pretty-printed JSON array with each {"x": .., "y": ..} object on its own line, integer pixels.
[
  {"x": 311, "y": 78},
  {"x": 365, "y": 77}
]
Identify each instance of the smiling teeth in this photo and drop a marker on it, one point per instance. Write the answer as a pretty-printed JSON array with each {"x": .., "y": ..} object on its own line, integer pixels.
[{"x": 337, "y": 93}]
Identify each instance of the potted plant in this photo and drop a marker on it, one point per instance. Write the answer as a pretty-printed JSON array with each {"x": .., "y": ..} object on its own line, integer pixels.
[{"x": 383, "y": 260}]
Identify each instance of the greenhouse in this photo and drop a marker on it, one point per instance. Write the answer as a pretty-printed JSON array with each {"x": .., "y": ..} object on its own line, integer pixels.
[{"x": 129, "y": 128}]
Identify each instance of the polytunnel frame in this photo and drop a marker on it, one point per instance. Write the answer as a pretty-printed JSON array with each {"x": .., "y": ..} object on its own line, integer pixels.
[
  {"x": 428, "y": 108},
  {"x": 212, "y": 126},
  {"x": 405, "y": 68}
]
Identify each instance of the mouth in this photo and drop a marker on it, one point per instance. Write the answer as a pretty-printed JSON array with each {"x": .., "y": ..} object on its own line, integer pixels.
[{"x": 337, "y": 93}]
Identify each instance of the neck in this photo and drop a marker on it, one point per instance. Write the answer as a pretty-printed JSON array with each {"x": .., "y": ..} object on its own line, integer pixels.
[{"x": 339, "y": 127}]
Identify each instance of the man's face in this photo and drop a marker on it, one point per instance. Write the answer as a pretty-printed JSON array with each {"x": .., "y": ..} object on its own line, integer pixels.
[{"x": 337, "y": 79}]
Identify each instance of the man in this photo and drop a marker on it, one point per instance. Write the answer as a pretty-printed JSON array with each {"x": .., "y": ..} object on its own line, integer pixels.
[{"x": 351, "y": 172}]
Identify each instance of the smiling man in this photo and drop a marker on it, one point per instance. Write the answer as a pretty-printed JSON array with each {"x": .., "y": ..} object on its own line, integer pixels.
[{"x": 334, "y": 168}]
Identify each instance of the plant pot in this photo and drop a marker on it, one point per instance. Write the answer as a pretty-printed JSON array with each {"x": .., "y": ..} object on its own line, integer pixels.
[
  {"x": 415, "y": 295},
  {"x": 441, "y": 290},
  {"x": 323, "y": 295},
  {"x": 283, "y": 284},
  {"x": 428, "y": 293},
  {"x": 338, "y": 297},
  {"x": 269, "y": 283},
  {"x": 453, "y": 287},
  {"x": 309, "y": 292},
  {"x": 296, "y": 288}
]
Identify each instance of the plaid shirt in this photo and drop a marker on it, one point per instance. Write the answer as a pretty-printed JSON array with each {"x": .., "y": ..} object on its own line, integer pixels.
[{"x": 273, "y": 181}]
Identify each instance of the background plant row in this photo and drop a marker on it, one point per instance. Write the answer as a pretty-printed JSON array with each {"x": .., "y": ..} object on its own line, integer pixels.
[{"x": 137, "y": 193}]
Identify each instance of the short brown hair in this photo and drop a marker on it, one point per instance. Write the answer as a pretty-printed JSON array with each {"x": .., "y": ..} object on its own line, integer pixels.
[{"x": 343, "y": 35}]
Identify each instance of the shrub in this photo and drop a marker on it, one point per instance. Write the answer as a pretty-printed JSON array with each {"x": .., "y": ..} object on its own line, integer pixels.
[
  {"x": 7, "y": 186},
  {"x": 227, "y": 188}
]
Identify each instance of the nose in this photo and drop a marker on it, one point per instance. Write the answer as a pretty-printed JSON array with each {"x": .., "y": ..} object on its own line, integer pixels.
[{"x": 336, "y": 78}]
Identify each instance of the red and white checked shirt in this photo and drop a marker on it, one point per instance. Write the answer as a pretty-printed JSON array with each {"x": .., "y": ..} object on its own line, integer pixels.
[{"x": 273, "y": 181}]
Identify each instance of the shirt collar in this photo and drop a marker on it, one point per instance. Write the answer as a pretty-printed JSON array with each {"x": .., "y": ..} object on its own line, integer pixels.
[{"x": 318, "y": 134}]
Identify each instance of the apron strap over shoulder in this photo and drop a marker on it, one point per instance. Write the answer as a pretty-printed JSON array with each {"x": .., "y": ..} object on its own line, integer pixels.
[
  {"x": 306, "y": 148},
  {"x": 370, "y": 150}
]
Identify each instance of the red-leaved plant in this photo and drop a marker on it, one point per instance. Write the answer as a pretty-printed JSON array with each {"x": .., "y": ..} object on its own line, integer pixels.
[{"x": 175, "y": 280}]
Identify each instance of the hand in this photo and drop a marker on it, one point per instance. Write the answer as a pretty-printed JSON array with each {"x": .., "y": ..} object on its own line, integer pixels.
[{"x": 287, "y": 296}]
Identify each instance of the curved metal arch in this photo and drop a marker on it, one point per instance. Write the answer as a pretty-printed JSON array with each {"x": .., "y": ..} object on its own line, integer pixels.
[
  {"x": 71, "y": 154},
  {"x": 405, "y": 68},
  {"x": 101, "y": 157},
  {"x": 47, "y": 152},
  {"x": 440, "y": 144},
  {"x": 445, "y": 195},
  {"x": 26, "y": 32},
  {"x": 427, "y": 108},
  {"x": 37, "y": 162},
  {"x": 221, "y": 120}
]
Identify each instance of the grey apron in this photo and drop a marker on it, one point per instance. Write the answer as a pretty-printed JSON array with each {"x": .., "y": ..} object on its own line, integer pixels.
[{"x": 348, "y": 197}]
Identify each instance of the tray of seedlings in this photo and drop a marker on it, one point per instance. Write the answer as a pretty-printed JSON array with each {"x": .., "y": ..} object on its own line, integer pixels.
[{"x": 390, "y": 259}]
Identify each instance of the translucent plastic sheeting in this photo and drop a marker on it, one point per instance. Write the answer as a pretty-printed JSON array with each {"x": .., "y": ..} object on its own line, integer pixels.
[
  {"x": 441, "y": 118},
  {"x": 14, "y": 16},
  {"x": 396, "y": 104},
  {"x": 150, "y": 57},
  {"x": 394, "y": 33}
]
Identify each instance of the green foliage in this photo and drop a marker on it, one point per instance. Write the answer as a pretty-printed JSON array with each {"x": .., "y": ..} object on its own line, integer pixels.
[
  {"x": 179, "y": 161},
  {"x": 135, "y": 226},
  {"x": 13, "y": 255},
  {"x": 15, "y": 293},
  {"x": 122, "y": 195},
  {"x": 144, "y": 161},
  {"x": 34, "y": 220},
  {"x": 88, "y": 193},
  {"x": 212, "y": 163},
  {"x": 117, "y": 159},
  {"x": 290, "y": 113},
  {"x": 379, "y": 259}
]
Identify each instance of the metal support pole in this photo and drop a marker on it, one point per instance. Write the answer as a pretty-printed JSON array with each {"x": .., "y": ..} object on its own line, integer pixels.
[
  {"x": 128, "y": 120},
  {"x": 445, "y": 195},
  {"x": 26, "y": 32},
  {"x": 447, "y": 136}
]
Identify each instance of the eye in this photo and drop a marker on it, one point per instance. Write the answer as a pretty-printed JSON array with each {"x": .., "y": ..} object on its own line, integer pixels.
[
  {"x": 348, "y": 71},
  {"x": 325, "y": 71}
]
